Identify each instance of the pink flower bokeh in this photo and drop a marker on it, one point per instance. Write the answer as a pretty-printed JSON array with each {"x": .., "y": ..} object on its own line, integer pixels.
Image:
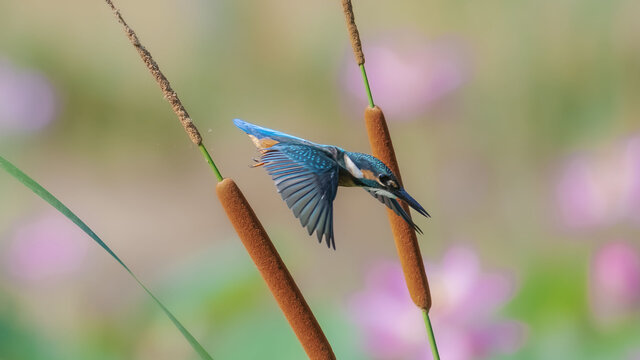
[
  {"x": 45, "y": 247},
  {"x": 464, "y": 314},
  {"x": 601, "y": 188},
  {"x": 408, "y": 73},
  {"x": 615, "y": 282},
  {"x": 28, "y": 101}
]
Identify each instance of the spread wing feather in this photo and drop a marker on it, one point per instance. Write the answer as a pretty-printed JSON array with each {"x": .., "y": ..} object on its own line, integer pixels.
[
  {"x": 264, "y": 133},
  {"x": 307, "y": 180}
]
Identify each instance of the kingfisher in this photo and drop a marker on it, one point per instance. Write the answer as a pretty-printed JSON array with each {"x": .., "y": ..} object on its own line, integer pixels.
[{"x": 307, "y": 176}]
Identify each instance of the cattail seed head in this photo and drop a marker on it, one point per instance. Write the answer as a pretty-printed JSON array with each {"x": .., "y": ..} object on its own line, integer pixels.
[
  {"x": 354, "y": 36},
  {"x": 273, "y": 271},
  {"x": 404, "y": 235}
]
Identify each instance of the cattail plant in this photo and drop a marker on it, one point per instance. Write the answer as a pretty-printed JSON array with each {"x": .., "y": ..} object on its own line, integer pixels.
[
  {"x": 247, "y": 225},
  {"x": 273, "y": 270},
  {"x": 382, "y": 148},
  {"x": 404, "y": 234}
]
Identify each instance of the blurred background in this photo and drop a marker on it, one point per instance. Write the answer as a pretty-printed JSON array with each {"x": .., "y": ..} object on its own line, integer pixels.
[{"x": 516, "y": 125}]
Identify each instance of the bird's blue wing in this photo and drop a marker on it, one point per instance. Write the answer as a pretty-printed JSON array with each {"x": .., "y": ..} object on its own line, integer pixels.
[
  {"x": 264, "y": 138},
  {"x": 394, "y": 205},
  {"x": 307, "y": 180}
]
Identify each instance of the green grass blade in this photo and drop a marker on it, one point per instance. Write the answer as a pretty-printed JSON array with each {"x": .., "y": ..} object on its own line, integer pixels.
[{"x": 53, "y": 201}]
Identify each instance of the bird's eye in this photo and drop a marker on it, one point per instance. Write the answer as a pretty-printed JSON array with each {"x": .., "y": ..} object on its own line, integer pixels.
[{"x": 383, "y": 179}]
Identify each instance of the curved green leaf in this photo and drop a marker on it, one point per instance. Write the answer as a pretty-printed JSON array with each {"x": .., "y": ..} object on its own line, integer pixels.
[{"x": 48, "y": 197}]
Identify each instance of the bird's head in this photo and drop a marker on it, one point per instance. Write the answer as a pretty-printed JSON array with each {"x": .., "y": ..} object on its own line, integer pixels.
[{"x": 371, "y": 173}]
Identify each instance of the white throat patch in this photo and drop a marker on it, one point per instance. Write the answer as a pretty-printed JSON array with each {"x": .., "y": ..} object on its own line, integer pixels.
[
  {"x": 382, "y": 192},
  {"x": 353, "y": 169}
]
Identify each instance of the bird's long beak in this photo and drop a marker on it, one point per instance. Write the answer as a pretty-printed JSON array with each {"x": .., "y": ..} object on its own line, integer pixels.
[{"x": 404, "y": 196}]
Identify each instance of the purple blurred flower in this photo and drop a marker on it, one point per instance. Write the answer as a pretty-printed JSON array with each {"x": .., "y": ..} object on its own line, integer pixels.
[
  {"x": 601, "y": 188},
  {"x": 28, "y": 101},
  {"x": 47, "y": 246},
  {"x": 465, "y": 302},
  {"x": 634, "y": 354},
  {"x": 407, "y": 73},
  {"x": 615, "y": 281}
]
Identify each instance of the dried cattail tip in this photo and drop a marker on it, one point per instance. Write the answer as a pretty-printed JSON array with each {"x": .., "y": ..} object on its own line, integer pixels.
[
  {"x": 404, "y": 235},
  {"x": 154, "y": 69},
  {"x": 353, "y": 31},
  {"x": 274, "y": 271}
]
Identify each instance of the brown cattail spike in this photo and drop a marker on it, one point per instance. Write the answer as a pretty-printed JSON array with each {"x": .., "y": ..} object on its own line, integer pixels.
[
  {"x": 403, "y": 233},
  {"x": 353, "y": 31},
  {"x": 167, "y": 91},
  {"x": 274, "y": 271}
]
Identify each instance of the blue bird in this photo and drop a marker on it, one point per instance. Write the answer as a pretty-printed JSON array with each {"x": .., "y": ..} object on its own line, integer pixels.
[{"x": 307, "y": 176}]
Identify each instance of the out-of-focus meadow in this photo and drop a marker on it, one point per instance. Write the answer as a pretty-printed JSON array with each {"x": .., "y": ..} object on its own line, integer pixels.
[{"x": 516, "y": 125}]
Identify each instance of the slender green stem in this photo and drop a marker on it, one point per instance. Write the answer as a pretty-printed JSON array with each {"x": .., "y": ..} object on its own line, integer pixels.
[
  {"x": 210, "y": 161},
  {"x": 366, "y": 85},
  {"x": 432, "y": 338}
]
